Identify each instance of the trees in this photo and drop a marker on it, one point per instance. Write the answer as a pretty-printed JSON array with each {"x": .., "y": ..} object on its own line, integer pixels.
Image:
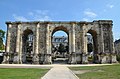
[
  {"x": 61, "y": 48},
  {"x": 90, "y": 47},
  {"x": 2, "y": 36}
]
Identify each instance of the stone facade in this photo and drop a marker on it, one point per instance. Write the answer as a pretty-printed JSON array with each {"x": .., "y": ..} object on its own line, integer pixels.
[
  {"x": 40, "y": 51},
  {"x": 61, "y": 39}
]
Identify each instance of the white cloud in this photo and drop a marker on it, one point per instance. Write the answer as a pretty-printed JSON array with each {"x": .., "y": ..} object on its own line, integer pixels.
[
  {"x": 41, "y": 15},
  {"x": 110, "y": 6},
  {"x": 36, "y": 15},
  {"x": 42, "y": 18},
  {"x": 85, "y": 19},
  {"x": 90, "y": 13},
  {"x": 19, "y": 18}
]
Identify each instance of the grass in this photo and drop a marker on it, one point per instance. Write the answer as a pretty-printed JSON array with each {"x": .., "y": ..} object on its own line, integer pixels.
[
  {"x": 99, "y": 72},
  {"x": 21, "y": 73}
]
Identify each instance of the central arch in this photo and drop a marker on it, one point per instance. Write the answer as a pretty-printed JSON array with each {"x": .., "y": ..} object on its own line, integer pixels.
[
  {"x": 60, "y": 28},
  {"x": 60, "y": 50}
]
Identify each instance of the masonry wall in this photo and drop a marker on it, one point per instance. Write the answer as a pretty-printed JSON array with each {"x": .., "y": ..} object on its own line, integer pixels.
[{"x": 101, "y": 31}]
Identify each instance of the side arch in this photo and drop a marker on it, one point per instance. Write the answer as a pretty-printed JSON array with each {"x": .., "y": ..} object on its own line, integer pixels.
[
  {"x": 95, "y": 45},
  {"x": 27, "y": 46},
  {"x": 95, "y": 40}
]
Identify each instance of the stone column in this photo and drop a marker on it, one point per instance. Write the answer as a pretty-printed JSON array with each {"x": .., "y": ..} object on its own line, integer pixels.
[
  {"x": 101, "y": 43},
  {"x": 47, "y": 59},
  {"x": 85, "y": 42},
  {"x": 112, "y": 51},
  {"x": 70, "y": 42},
  {"x": 102, "y": 40},
  {"x": 73, "y": 54},
  {"x": 17, "y": 53},
  {"x": 7, "y": 50},
  {"x": 36, "y": 57},
  {"x": 70, "y": 45},
  {"x": 37, "y": 38},
  {"x": 73, "y": 37},
  {"x": 84, "y": 45},
  {"x": 21, "y": 52},
  {"x": 47, "y": 39},
  {"x": 49, "y": 46}
]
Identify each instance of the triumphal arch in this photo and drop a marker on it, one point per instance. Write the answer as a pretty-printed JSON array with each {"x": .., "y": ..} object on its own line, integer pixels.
[{"x": 31, "y": 42}]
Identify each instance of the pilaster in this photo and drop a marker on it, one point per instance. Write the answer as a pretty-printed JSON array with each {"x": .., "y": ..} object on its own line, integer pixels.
[
  {"x": 36, "y": 57},
  {"x": 101, "y": 44},
  {"x": 70, "y": 41},
  {"x": 17, "y": 53},
  {"x": 102, "y": 39},
  {"x": 112, "y": 50},
  {"x": 21, "y": 47},
  {"x": 73, "y": 53},
  {"x": 47, "y": 59},
  {"x": 84, "y": 45},
  {"x": 73, "y": 37},
  {"x": 70, "y": 45},
  {"x": 7, "y": 50}
]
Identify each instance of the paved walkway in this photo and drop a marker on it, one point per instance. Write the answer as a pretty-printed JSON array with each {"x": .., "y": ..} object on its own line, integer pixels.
[{"x": 60, "y": 72}]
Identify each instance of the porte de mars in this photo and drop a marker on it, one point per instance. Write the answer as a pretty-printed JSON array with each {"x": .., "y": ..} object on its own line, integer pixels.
[{"x": 31, "y": 42}]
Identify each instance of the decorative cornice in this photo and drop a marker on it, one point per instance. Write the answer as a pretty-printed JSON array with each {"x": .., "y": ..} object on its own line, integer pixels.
[{"x": 63, "y": 22}]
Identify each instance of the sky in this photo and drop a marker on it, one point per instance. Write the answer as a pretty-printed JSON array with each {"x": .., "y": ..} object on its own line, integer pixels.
[
  {"x": 61, "y": 10},
  {"x": 60, "y": 33}
]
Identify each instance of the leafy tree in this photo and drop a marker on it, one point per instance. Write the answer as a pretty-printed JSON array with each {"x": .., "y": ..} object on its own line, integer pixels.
[
  {"x": 2, "y": 36},
  {"x": 67, "y": 49},
  {"x": 61, "y": 48},
  {"x": 90, "y": 47}
]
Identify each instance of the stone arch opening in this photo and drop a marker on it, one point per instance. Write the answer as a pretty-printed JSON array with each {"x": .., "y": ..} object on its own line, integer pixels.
[
  {"x": 60, "y": 28},
  {"x": 92, "y": 46},
  {"x": 27, "y": 41},
  {"x": 60, "y": 45}
]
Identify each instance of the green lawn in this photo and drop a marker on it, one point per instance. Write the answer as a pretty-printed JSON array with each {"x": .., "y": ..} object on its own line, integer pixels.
[
  {"x": 22, "y": 73},
  {"x": 99, "y": 72}
]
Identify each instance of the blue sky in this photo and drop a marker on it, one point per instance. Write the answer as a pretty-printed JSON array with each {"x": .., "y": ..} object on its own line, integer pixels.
[
  {"x": 60, "y": 10},
  {"x": 60, "y": 33}
]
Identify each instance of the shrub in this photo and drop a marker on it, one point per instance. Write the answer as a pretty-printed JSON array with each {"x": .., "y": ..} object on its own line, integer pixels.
[
  {"x": 118, "y": 57},
  {"x": 90, "y": 58}
]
